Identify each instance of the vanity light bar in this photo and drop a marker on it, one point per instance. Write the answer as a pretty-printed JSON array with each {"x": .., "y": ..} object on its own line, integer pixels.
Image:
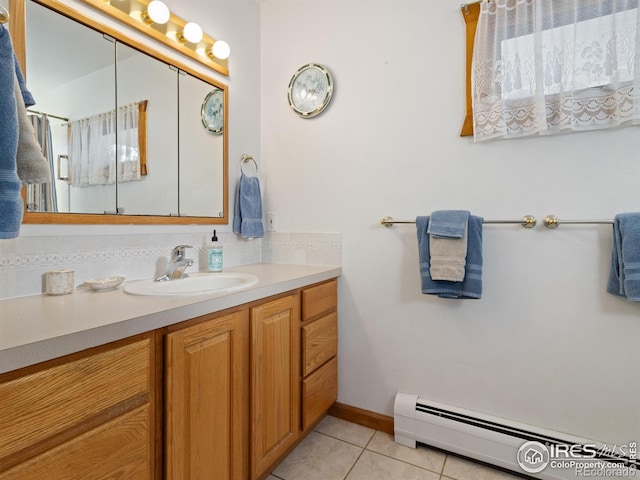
[{"x": 135, "y": 13}]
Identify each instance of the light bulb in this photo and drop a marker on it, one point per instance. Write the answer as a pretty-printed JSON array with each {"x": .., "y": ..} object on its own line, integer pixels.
[
  {"x": 158, "y": 12},
  {"x": 221, "y": 49},
  {"x": 192, "y": 32}
]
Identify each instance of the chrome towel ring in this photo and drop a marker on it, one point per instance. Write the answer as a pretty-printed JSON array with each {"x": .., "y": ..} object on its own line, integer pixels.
[{"x": 244, "y": 160}]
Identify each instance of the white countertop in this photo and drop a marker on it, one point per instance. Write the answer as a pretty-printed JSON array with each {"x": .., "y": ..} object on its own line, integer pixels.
[{"x": 41, "y": 327}]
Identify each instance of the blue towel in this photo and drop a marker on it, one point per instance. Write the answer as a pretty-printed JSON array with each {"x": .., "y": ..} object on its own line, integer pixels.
[
  {"x": 26, "y": 94},
  {"x": 471, "y": 286},
  {"x": 11, "y": 207},
  {"x": 624, "y": 276},
  {"x": 448, "y": 223},
  {"x": 247, "y": 220}
]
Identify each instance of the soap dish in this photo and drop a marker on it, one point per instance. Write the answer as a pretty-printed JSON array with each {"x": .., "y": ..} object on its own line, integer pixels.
[{"x": 105, "y": 283}]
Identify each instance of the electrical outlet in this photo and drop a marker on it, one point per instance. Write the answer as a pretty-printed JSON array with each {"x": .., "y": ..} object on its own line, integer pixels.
[{"x": 271, "y": 221}]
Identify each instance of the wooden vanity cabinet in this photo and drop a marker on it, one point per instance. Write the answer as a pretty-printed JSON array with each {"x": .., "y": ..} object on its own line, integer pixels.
[
  {"x": 229, "y": 396},
  {"x": 319, "y": 340},
  {"x": 205, "y": 398},
  {"x": 89, "y": 415},
  {"x": 241, "y": 387},
  {"x": 274, "y": 376}
]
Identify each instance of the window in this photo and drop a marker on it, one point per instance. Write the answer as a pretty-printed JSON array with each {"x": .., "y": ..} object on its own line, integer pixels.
[{"x": 542, "y": 66}]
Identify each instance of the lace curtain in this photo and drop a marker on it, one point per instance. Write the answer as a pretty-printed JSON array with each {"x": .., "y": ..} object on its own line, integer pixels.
[
  {"x": 95, "y": 158},
  {"x": 542, "y": 66}
]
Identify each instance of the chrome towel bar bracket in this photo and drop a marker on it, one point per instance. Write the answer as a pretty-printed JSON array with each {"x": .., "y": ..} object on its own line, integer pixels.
[
  {"x": 4, "y": 15},
  {"x": 552, "y": 221}
]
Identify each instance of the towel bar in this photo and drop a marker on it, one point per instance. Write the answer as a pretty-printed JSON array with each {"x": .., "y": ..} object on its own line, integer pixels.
[
  {"x": 50, "y": 115},
  {"x": 528, "y": 221},
  {"x": 4, "y": 15},
  {"x": 552, "y": 221}
]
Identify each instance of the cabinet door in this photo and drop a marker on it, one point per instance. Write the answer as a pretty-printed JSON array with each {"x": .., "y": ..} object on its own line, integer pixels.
[
  {"x": 275, "y": 390},
  {"x": 205, "y": 368}
]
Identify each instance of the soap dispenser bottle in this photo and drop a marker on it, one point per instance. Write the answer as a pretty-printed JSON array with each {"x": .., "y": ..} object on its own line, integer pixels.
[{"x": 214, "y": 255}]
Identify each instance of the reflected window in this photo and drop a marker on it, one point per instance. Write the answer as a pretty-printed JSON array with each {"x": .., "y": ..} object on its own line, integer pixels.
[{"x": 104, "y": 147}]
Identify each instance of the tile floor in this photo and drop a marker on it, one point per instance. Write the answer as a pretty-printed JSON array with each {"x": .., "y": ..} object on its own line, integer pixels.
[{"x": 340, "y": 450}]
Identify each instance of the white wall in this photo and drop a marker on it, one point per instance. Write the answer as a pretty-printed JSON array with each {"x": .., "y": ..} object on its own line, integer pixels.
[{"x": 545, "y": 345}]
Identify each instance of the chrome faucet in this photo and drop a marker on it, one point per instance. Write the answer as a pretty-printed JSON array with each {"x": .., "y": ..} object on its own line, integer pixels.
[{"x": 177, "y": 265}]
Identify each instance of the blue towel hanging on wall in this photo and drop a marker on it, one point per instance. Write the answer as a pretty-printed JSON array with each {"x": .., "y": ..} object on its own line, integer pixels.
[
  {"x": 247, "y": 220},
  {"x": 11, "y": 206},
  {"x": 471, "y": 286},
  {"x": 624, "y": 275}
]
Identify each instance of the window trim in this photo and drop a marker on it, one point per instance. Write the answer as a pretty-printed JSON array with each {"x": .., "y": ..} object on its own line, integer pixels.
[{"x": 470, "y": 13}]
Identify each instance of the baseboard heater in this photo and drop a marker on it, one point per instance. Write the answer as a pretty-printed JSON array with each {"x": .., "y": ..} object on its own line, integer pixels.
[{"x": 491, "y": 440}]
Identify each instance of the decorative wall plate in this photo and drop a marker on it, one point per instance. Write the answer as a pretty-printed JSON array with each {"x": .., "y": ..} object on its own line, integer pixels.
[
  {"x": 212, "y": 112},
  {"x": 310, "y": 90}
]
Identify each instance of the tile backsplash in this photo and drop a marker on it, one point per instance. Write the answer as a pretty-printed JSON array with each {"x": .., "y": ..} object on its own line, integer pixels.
[
  {"x": 24, "y": 260},
  {"x": 302, "y": 248}
]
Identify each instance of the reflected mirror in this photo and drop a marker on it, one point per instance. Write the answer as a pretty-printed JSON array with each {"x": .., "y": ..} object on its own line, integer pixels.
[
  {"x": 194, "y": 140},
  {"x": 122, "y": 129},
  {"x": 144, "y": 83}
]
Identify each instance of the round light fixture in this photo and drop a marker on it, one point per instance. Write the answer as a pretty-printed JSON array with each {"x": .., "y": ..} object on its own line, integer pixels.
[
  {"x": 158, "y": 12},
  {"x": 192, "y": 32},
  {"x": 221, "y": 49}
]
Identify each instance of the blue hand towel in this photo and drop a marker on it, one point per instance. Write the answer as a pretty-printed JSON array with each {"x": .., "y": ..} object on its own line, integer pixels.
[
  {"x": 624, "y": 275},
  {"x": 11, "y": 206},
  {"x": 471, "y": 286},
  {"x": 448, "y": 223},
  {"x": 247, "y": 220},
  {"x": 448, "y": 244}
]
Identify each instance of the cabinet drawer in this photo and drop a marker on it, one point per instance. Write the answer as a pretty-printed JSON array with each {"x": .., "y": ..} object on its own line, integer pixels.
[
  {"x": 120, "y": 448},
  {"x": 319, "y": 299},
  {"x": 319, "y": 392},
  {"x": 52, "y": 400},
  {"x": 319, "y": 342}
]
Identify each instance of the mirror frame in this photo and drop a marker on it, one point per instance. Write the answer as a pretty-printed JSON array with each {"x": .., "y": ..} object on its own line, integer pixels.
[{"x": 17, "y": 27}]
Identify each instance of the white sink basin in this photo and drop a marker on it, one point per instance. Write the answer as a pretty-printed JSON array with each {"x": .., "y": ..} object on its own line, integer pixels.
[{"x": 194, "y": 284}]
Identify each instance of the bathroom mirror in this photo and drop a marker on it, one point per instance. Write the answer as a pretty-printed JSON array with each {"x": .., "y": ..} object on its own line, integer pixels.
[{"x": 154, "y": 162}]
